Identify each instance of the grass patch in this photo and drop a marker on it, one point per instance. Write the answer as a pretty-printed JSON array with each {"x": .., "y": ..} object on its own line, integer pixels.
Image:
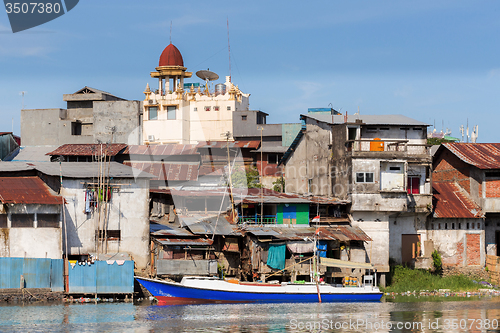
[{"x": 406, "y": 279}]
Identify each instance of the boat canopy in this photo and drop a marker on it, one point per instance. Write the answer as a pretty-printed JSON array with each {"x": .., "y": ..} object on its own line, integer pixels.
[{"x": 344, "y": 264}]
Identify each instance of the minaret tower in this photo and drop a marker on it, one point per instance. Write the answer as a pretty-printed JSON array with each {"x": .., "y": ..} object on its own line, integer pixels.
[{"x": 171, "y": 71}]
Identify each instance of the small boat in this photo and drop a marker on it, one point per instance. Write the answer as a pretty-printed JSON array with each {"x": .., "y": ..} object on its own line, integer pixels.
[{"x": 193, "y": 290}]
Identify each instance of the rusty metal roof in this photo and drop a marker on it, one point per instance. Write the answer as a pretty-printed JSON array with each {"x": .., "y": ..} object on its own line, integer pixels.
[
  {"x": 90, "y": 149},
  {"x": 340, "y": 233},
  {"x": 184, "y": 241},
  {"x": 26, "y": 190},
  {"x": 451, "y": 201},
  {"x": 161, "y": 150},
  {"x": 167, "y": 171},
  {"x": 251, "y": 144},
  {"x": 480, "y": 155}
]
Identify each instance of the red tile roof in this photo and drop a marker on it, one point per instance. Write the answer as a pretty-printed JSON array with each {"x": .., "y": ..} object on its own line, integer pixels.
[
  {"x": 167, "y": 171},
  {"x": 480, "y": 155},
  {"x": 161, "y": 150},
  {"x": 88, "y": 149},
  {"x": 451, "y": 201},
  {"x": 26, "y": 190}
]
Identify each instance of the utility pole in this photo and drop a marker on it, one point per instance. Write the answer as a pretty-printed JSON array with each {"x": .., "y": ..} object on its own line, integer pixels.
[
  {"x": 228, "y": 135},
  {"x": 261, "y": 175}
]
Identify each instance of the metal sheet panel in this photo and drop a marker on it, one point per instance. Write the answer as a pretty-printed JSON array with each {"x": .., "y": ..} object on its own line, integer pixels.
[
  {"x": 114, "y": 278},
  {"x": 56, "y": 275},
  {"x": 11, "y": 270},
  {"x": 26, "y": 190},
  {"x": 36, "y": 272},
  {"x": 88, "y": 149},
  {"x": 82, "y": 279}
]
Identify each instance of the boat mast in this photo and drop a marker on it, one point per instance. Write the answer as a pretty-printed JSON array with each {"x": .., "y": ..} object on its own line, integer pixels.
[{"x": 315, "y": 265}]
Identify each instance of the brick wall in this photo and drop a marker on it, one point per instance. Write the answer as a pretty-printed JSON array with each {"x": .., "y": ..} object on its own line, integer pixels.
[
  {"x": 460, "y": 254},
  {"x": 473, "y": 249},
  {"x": 493, "y": 188},
  {"x": 449, "y": 167}
]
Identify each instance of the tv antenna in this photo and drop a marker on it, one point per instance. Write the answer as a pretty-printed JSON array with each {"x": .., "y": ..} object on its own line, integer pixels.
[
  {"x": 228, "y": 47},
  {"x": 22, "y": 93}
]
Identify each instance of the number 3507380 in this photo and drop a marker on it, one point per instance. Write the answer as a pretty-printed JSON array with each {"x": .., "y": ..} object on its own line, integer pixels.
[{"x": 32, "y": 8}]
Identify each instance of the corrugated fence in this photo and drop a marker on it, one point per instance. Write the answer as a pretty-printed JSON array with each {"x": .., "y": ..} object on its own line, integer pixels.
[
  {"x": 37, "y": 273},
  {"x": 101, "y": 277}
]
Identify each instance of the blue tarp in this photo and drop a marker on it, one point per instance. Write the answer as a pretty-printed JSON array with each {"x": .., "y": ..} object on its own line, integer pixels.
[
  {"x": 322, "y": 247},
  {"x": 276, "y": 256}
]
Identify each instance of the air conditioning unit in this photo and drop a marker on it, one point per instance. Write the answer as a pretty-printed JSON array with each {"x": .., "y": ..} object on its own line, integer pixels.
[{"x": 151, "y": 138}]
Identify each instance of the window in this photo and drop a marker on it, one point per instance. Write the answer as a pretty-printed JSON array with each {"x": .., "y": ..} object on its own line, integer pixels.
[
  {"x": 404, "y": 128},
  {"x": 229, "y": 108},
  {"x": 371, "y": 129},
  {"x": 395, "y": 168},
  {"x": 109, "y": 234},
  {"x": 413, "y": 185},
  {"x": 417, "y": 128},
  {"x": 171, "y": 112},
  {"x": 153, "y": 113},
  {"x": 453, "y": 225},
  {"x": 76, "y": 128},
  {"x": 364, "y": 177},
  {"x": 47, "y": 220},
  {"x": 384, "y": 128},
  {"x": 207, "y": 108},
  {"x": 460, "y": 226},
  {"x": 492, "y": 174},
  {"x": 479, "y": 225},
  {"x": 3, "y": 220},
  {"x": 272, "y": 158},
  {"x": 22, "y": 220},
  {"x": 244, "y": 117},
  {"x": 195, "y": 109},
  {"x": 216, "y": 108}
]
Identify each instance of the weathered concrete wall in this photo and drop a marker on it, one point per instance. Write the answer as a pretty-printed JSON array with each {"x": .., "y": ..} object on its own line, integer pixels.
[
  {"x": 186, "y": 267},
  {"x": 117, "y": 122},
  {"x": 458, "y": 245},
  {"x": 308, "y": 168},
  {"x": 408, "y": 224},
  {"x": 34, "y": 242},
  {"x": 492, "y": 226},
  {"x": 43, "y": 127},
  {"x": 378, "y": 250},
  {"x": 128, "y": 212}
]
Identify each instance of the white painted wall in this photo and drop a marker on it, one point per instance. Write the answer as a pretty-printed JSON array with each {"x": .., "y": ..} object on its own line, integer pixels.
[{"x": 129, "y": 212}]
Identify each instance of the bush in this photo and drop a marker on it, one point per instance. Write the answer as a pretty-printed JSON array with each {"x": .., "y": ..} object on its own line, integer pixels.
[{"x": 437, "y": 262}]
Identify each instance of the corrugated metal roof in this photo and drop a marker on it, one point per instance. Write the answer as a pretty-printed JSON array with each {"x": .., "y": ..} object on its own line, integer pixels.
[
  {"x": 167, "y": 171},
  {"x": 340, "y": 233},
  {"x": 89, "y": 149},
  {"x": 34, "y": 154},
  {"x": 206, "y": 224},
  {"x": 252, "y": 144},
  {"x": 184, "y": 241},
  {"x": 451, "y": 201},
  {"x": 391, "y": 119},
  {"x": 481, "y": 155},
  {"x": 157, "y": 229},
  {"x": 75, "y": 169},
  {"x": 162, "y": 150},
  {"x": 26, "y": 190}
]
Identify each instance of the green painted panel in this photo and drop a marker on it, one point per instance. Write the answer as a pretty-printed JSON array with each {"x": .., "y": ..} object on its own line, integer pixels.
[{"x": 301, "y": 215}]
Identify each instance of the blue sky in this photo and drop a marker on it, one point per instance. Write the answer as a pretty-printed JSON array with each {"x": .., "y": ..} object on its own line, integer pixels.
[{"x": 435, "y": 61}]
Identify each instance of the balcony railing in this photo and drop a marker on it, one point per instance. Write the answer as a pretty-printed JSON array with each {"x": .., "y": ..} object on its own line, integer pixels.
[
  {"x": 257, "y": 219},
  {"x": 390, "y": 145}
]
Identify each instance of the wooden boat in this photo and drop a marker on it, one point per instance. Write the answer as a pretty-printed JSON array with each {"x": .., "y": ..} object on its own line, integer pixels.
[{"x": 192, "y": 290}]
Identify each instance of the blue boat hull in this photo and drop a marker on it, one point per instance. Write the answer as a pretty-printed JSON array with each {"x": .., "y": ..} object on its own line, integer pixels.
[{"x": 174, "y": 293}]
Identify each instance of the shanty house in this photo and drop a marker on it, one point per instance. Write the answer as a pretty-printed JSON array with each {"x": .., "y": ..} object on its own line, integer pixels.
[{"x": 30, "y": 218}]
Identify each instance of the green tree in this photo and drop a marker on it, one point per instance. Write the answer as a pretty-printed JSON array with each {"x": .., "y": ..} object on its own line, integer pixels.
[
  {"x": 246, "y": 178},
  {"x": 279, "y": 185}
]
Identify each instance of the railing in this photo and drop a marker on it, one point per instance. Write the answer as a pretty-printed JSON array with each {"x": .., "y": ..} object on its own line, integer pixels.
[
  {"x": 257, "y": 219},
  {"x": 392, "y": 145}
]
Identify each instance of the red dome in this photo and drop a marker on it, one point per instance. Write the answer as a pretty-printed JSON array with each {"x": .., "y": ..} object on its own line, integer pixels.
[{"x": 171, "y": 57}]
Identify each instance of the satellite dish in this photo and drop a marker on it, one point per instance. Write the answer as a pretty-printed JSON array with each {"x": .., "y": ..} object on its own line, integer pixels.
[{"x": 207, "y": 75}]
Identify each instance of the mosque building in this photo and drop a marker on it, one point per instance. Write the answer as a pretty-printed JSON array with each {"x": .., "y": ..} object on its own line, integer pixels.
[{"x": 186, "y": 113}]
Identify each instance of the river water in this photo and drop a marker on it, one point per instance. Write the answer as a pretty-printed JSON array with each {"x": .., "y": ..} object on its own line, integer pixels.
[{"x": 410, "y": 315}]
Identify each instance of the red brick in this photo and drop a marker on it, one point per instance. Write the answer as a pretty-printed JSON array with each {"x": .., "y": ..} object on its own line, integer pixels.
[{"x": 473, "y": 249}]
